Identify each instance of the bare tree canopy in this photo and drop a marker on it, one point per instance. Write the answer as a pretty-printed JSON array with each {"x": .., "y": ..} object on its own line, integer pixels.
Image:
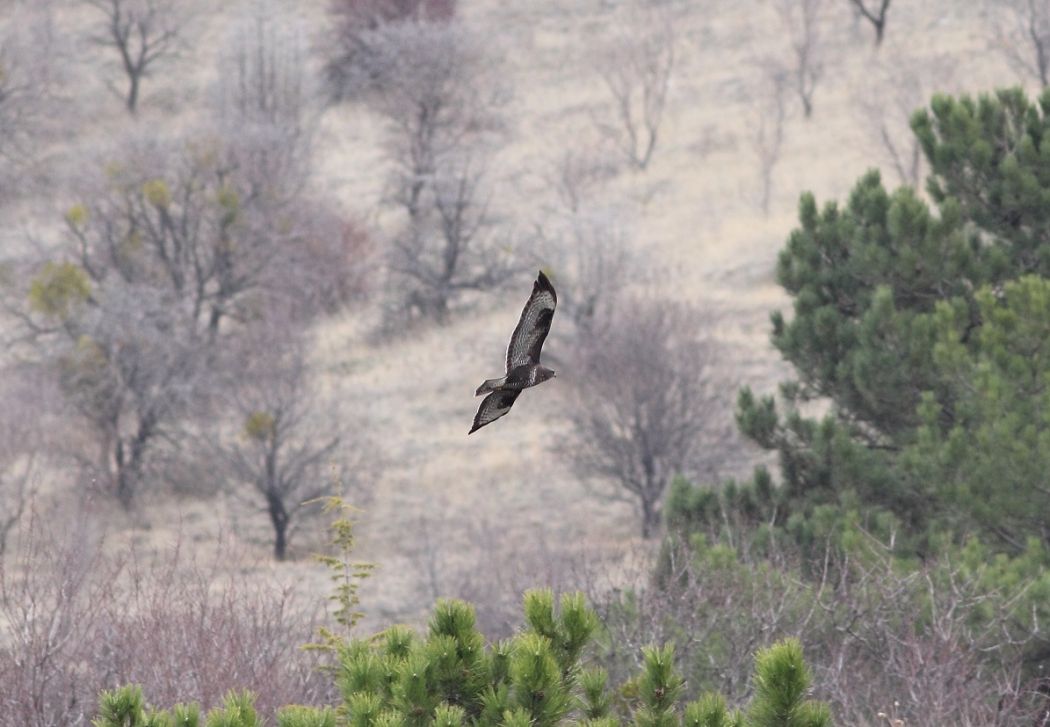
[
  {"x": 636, "y": 69},
  {"x": 644, "y": 410},
  {"x": 264, "y": 90},
  {"x": 29, "y": 73},
  {"x": 438, "y": 90},
  {"x": 349, "y": 46},
  {"x": 590, "y": 248},
  {"x": 143, "y": 33}
]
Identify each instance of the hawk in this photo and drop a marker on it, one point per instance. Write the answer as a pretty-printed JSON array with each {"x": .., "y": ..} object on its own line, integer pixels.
[{"x": 523, "y": 356}]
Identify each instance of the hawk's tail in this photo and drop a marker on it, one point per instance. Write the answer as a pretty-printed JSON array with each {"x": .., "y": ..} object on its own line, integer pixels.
[{"x": 490, "y": 385}]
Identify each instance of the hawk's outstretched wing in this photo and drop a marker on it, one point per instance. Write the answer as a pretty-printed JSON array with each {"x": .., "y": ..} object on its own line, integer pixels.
[
  {"x": 493, "y": 407},
  {"x": 532, "y": 328}
]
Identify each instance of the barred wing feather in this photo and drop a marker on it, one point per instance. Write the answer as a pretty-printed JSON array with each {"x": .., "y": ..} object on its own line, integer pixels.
[
  {"x": 493, "y": 407},
  {"x": 532, "y": 328}
]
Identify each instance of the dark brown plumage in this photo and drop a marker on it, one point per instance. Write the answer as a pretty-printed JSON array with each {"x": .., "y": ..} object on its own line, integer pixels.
[{"x": 523, "y": 356}]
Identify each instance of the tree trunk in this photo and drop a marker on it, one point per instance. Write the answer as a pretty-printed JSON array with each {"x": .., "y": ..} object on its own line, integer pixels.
[
  {"x": 650, "y": 518},
  {"x": 279, "y": 520},
  {"x": 133, "y": 93}
]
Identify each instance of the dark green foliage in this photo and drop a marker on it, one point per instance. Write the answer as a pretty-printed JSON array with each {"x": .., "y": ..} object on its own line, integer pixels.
[
  {"x": 781, "y": 682},
  {"x": 237, "y": 711},
  {"x": 710, "y": 711},
  {"x": 450, "y": 678},
  {"x": 450, "y": 673},
  {"x": 990, "y": 459},
  {"x": 121, "y": 708},
  {"x": 658, "y": 688},
  {"x": 595, "y": 701},
  {"x": 299, "y": 716},
  {"x": 991, "y": 158},
  {"x": 126, "y": 708},
  {"x": 930, "y": 380}
]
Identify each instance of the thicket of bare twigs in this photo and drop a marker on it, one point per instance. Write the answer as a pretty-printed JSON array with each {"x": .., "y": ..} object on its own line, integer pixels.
[
  {"x": 75, "y": 619},
  {"x": 930, "y": 646}
]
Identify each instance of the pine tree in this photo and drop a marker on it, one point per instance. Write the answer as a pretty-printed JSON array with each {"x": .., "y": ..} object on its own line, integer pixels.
[
  {"x": 889, "y": 296},
  {"x": 451, "y": 678}
]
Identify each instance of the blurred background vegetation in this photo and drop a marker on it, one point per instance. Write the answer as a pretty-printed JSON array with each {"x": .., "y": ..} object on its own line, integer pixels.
[{"x": 255, "y": 257}]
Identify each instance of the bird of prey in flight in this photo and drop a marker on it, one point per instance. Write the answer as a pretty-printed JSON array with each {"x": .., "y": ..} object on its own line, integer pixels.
[{"x": 523, "y": 356}]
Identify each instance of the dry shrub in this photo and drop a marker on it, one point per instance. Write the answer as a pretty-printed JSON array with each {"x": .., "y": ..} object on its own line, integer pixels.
[
  {"x": 930, "y": 646},
  {"x": 494, "y": 571},
  {"x": 644, "y": 413},
  {"x": 74, "y": 621}
]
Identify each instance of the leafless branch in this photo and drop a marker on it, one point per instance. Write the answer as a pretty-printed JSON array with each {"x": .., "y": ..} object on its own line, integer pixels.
[
  {"x": 877, "y": 18},
  {"x": 636, "y": 69},
  {"x": 143, "y": 33},
  {"x": 801, "y": 21},
  {"x": 887, "y": 114}
]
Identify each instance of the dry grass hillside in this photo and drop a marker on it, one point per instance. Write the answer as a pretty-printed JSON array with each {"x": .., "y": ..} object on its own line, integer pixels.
[{"x": 443, "y": 506}]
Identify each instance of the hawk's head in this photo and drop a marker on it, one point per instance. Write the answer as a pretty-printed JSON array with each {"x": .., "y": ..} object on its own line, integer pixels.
[{"x": 543, "y": 373}]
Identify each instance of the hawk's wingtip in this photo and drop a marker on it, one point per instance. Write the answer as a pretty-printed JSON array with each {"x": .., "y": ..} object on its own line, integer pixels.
[{"x": 543, "y": 282}]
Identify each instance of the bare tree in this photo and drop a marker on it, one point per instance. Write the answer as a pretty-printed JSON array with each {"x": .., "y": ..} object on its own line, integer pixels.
[
  {"x": 287, "y": 449},
  {"x": 29, "y": 74},
  {"x": 642, "y": 410},
  {"x": 449, "y": 244},
  {"x": 877, "y": 17},
  {"x": 130, "y": 364},
  {"x": 438, "y": 90},
  {"x": 1022, "y": 34},
  {"x": 768, "y": 132},
  {"x": 267, "y": 112},
  {"x": 801, "y": 22},
  {"x": 264, "y": 94},
  {"x": 143, "y": 33},
  {"x": 170, "y": 253},
  {"x": 636, "y": 68}
]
